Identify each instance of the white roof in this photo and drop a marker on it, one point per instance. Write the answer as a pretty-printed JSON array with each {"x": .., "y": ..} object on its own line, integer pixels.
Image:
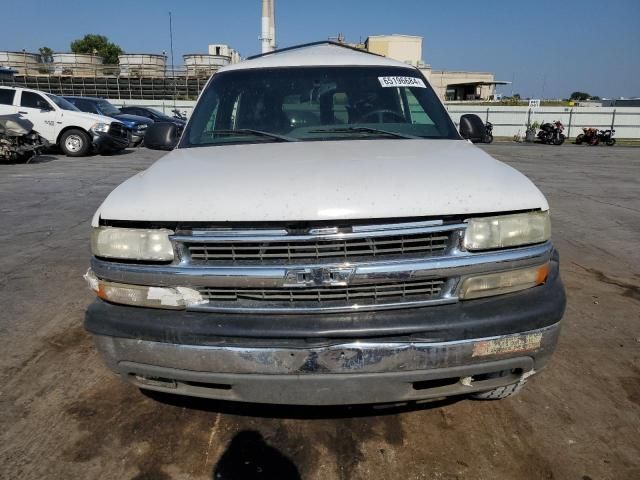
[{"x": 316, "y": 55}]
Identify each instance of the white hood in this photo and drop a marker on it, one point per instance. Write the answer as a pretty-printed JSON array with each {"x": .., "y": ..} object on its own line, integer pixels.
[{"x": 322, "y": 181}]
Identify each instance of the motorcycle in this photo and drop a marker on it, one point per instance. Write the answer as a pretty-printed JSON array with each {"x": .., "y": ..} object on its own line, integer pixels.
[
  {"x": 488, "y": 136},
  {"x": 178, "y": 114},
  {"x": 18, "y": 141},
  {"x": 606, "y": 137},
  {"x": 589, "y": 136},
  {"x": 551, "y": 133}
]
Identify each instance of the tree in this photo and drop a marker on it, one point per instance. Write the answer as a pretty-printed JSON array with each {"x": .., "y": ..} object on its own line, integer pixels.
[
  {"x": 579, "y": 96},
  {"x": 47, "y": 54},
  {"x": 98, "y": 44}
]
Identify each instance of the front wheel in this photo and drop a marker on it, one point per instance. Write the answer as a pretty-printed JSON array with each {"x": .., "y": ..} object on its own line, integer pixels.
[
  {"x": 488, "y": 138},
  {"x": 75, "y": 143},
  {"x": 559, "y": 140},
  {"x": 611, "y": 142},
  {"x": 580, "y": 139}
]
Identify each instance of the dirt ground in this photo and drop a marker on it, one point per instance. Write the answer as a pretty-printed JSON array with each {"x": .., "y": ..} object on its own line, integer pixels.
[{"x": 64, "y": 415}]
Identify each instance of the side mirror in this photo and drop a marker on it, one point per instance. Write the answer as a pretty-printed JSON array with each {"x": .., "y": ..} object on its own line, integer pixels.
[
  {"x": 162, "y": 136},
  {"x": 472, "y": 127}
]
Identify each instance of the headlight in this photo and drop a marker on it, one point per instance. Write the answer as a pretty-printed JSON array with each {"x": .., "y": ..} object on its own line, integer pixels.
[
  {"x": 100, "y": 127},
  {"x": 176, "y": 298},
  {"x": 503, "y": 282},
  {"x": 141, "y": 127},
  {"x": 507, "y": 231},
  {"x": 132, "y": 244}
]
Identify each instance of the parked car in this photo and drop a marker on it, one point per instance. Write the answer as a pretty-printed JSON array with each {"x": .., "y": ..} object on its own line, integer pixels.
[
  {"x": 322, "y": 234},
  {"x": 136, "y": 124},
  {"x": 152, "y": 114},
  {"x": 60, "y": 123}
]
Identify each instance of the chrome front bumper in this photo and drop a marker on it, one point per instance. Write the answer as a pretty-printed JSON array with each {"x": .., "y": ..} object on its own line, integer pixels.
[{"x": 344, "y": 373}]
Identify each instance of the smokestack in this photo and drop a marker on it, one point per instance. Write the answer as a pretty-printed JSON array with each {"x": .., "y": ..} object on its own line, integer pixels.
[
  {"x": 268, "y": 28},
  {"x": 273, "y": 24}
]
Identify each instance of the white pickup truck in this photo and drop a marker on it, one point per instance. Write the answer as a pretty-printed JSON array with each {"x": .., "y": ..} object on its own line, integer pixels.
[
  {"x": 60, "y": 123},
  {"x": 322, "y": 234}
]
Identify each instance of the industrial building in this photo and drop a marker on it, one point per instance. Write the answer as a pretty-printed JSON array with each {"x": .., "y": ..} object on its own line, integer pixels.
[
  {"x": 142, "y": 65},
  {"x": 146, "y": 76},
  {"x": 449, "y": 85}
]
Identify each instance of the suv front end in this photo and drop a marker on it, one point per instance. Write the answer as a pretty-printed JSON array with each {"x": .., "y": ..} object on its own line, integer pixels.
[
  {"x": 322, "y": 235},
  {"x": 110, "y": 137},
  {"x": 343, "y": 314}
]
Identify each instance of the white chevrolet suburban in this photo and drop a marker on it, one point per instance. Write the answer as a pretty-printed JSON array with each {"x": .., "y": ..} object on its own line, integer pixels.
[
  {"x": 60, "y": 123},
  {"x": 322, "y": 234}
]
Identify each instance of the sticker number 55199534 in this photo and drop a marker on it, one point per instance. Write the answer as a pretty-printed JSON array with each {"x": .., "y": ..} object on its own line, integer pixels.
[{"x": 401, "y": 82}]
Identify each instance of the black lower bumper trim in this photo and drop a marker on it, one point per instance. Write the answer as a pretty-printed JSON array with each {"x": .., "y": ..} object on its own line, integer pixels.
[{"x": 106, "y": 142}]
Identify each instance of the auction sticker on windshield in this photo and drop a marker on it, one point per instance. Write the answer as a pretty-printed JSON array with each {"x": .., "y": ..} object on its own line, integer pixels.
[{"x": 401, "y": 82}]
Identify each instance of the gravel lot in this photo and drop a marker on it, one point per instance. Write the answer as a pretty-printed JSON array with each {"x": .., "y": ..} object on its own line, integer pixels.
[{"x": 65, "y": 416}]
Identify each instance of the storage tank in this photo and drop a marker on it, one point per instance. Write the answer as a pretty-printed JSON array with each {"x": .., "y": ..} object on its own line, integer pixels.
[
  {"x": 142, "y": 65},
  {"x": 23, "y": 62},
  {"x": 202, "y": 64},
  {"x": 77, "y": 64}
]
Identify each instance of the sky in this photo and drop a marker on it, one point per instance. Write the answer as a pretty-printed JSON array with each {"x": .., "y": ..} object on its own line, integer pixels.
[{"x": 547, "y": 49}]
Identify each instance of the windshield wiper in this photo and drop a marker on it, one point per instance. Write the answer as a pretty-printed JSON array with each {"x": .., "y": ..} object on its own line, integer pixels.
[
  {"x": 250, "y": 132},
  {"x": 364, "y": 130}
]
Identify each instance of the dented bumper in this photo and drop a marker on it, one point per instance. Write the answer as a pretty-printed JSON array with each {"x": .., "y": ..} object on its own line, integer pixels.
[
  {"x": 368, "y": 357},
  {"x": 342, "y": 373}
]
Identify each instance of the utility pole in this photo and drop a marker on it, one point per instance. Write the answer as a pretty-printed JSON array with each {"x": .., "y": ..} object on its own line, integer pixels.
[{"x": 173, "y": 72}]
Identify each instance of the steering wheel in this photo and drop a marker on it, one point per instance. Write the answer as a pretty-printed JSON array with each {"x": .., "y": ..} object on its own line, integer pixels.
[{"x": 379, "y": 114}]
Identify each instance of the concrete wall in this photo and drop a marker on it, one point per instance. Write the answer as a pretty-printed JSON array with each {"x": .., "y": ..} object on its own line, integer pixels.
[{"x": 507, "y": 121}]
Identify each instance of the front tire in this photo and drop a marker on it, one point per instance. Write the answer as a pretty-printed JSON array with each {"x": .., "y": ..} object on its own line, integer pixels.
[
  {"x": 580, "y": 139},
  {"x": 488, "y": 138},
  {"x": 611, "y": 142},
  {"x": 75, "y": 143},
  {"x": 559, "y": 140}
]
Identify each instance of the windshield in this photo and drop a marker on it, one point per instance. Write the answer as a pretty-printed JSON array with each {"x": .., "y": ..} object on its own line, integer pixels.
[
  {"x": 317, "y": 103},
  {"x": 62, "y": 103},
  {"x": 107, "y": 109}
]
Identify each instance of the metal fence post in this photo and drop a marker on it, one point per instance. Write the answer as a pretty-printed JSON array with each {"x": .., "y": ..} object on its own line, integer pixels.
[
  {"x": 487, "y": 119},
  {"x": 570, "y": 120},
  {"x": 613, "y": 119}
]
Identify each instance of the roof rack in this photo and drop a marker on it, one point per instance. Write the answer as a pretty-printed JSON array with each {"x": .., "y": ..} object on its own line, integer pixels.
[{"x": 313, "y": 44}]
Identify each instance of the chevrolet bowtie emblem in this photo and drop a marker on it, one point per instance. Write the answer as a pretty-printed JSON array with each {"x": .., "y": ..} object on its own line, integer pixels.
[{"x": 319, "y": 277}]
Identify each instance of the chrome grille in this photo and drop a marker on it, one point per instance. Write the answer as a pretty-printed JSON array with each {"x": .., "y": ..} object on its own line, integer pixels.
[
  {"x": 422, "y": 244},
  {"x": 376, "y": 292}
]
